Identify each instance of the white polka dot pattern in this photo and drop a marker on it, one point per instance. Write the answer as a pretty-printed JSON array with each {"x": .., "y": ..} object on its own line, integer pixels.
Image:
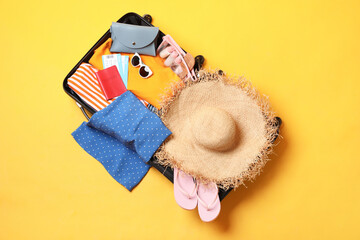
[{"x": 123, "y": 137}]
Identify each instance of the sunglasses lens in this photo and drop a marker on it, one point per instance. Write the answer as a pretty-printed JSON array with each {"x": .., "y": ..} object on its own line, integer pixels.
[
  {"x": 135, "y": 61},
  {"x": 143, "y": 72}
]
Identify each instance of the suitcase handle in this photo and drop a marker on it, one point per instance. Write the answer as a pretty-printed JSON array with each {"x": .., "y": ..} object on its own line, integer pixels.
[{"x": 83, "y": 111}]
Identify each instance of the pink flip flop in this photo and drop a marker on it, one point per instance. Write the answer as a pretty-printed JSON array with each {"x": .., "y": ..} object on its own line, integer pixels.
[
  {"x": 184, "y": 190},
  {"x": 209, "y": 202}
]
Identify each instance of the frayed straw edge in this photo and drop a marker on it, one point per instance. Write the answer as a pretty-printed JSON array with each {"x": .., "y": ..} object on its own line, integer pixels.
[{"x": 256, "y": 167}]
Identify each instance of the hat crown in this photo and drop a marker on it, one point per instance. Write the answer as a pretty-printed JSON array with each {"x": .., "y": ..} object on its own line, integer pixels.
[{"x": 213, "y": 128}]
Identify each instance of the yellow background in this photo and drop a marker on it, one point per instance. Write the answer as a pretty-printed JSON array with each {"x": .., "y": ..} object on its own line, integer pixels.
[{"x": 304, "y": 55}]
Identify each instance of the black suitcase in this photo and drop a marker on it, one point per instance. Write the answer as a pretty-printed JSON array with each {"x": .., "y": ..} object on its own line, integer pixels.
[{"x": 129, "y": 18}]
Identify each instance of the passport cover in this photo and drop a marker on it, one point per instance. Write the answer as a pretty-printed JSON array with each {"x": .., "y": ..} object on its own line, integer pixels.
[{"x": 110, "y": 82}]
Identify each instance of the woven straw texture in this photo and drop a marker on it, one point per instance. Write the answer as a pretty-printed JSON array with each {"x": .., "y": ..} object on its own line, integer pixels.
[{"x": 222, "y": 129}]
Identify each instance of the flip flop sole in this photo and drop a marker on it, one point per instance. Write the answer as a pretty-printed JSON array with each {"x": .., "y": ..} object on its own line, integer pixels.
[
  {"x": 209, "y": 215},
  {"x": 208, "y": 198},
  {"x": 187, "y": 184}
]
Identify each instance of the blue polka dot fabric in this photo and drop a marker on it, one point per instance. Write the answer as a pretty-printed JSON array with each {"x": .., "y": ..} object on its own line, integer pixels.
[{"x": 123, "y": 137}]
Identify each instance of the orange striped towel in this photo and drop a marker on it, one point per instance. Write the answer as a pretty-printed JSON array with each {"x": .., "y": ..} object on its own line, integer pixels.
[{"x": 85, "y": 84}]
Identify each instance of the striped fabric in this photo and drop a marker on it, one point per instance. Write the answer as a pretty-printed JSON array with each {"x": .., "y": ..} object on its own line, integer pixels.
[{"x": 85, "y": 84}]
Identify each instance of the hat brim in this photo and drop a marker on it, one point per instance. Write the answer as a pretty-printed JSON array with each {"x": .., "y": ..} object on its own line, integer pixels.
[{"x": 253, "y": 118}]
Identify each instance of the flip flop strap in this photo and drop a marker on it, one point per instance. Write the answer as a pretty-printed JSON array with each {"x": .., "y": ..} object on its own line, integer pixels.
[
  {"x": 178, "y": 49},
  {"x": 208, "y": 206},
  {"x": 183, "y": 191}
]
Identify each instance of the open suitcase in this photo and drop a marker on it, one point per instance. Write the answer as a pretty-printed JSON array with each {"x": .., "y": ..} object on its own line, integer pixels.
[{"x": 129, "y": 18}]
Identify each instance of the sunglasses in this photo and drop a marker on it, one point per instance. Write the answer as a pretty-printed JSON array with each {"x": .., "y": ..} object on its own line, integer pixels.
[{"x": 144, "y": 70}]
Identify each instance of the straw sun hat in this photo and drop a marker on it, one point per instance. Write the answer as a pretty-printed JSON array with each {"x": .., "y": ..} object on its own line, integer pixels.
[{"x": 222, "y": 129}]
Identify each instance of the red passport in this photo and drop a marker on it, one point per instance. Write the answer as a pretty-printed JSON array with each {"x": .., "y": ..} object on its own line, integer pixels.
[{"x": 110, "y": 82}]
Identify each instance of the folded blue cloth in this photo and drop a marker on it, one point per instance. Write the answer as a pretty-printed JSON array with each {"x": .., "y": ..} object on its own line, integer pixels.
[{"x": 123, "y": 137}]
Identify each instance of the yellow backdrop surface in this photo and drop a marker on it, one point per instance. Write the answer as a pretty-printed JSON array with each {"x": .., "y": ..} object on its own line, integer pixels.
[{"x": 305, "y": 55}]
